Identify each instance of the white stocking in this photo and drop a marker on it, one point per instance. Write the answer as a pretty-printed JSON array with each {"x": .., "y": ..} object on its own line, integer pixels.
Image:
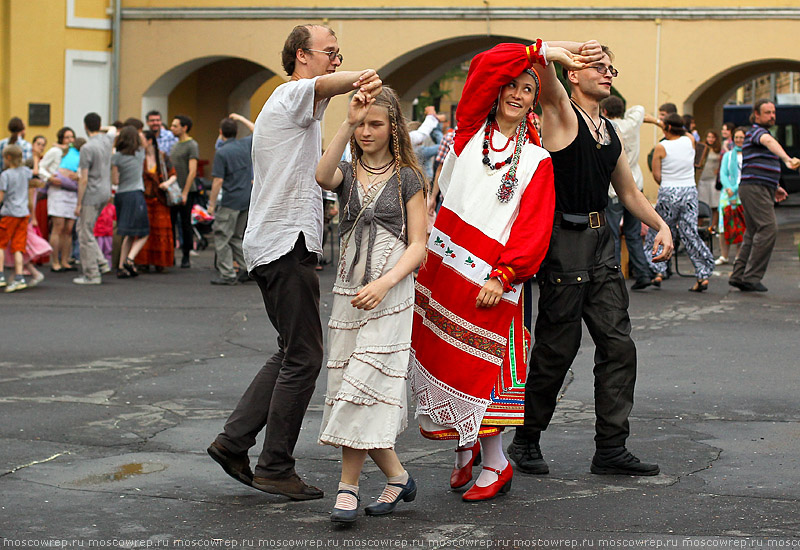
[{"x": 493, "y": 457}]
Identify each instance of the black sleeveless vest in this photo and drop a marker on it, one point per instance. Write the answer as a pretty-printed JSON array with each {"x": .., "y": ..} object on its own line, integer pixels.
[{"x": 582, "y": 172}]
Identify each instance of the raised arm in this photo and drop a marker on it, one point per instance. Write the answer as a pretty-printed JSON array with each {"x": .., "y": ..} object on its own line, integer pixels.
[
  {"x": 329, "y": 85},
  {"x": 488, "y": 72},
  {"x": 246, "y": 121},
  {"x": 558, "y": 121},
  {"x": 328, "y": 175}
]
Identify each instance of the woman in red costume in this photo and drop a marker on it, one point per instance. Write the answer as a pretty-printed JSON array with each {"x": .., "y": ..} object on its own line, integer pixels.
[{"x": 470, "y": 340}]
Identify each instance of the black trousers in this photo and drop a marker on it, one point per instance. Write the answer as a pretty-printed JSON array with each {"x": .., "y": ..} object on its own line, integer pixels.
[
  {"x": 580, "y": 280},
  {"x": 278, "y": 396},
  {"x": 185, "y": 212}
]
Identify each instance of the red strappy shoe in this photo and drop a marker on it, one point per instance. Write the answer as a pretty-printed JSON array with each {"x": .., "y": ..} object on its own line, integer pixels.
[
  {"x": 462, "y": 476},
  {"x": 499, "y": 487}
]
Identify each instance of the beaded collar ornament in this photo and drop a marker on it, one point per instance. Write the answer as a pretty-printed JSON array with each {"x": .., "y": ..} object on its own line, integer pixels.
[{"x": 509, "y": 182}]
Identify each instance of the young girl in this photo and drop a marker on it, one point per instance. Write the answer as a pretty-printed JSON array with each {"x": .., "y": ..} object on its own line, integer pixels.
[{"x": 383, "y": 224}]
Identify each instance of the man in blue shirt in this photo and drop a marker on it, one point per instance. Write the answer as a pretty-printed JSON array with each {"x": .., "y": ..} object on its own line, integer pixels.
[
  {"x": 759, "y": 189},
  {"x": 232, "y": 173}
]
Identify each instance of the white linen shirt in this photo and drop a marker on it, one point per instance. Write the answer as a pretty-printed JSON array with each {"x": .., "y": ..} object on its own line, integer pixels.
[
  {"x": 628, "y": 129},
  {"x": 286, "y": 200}
]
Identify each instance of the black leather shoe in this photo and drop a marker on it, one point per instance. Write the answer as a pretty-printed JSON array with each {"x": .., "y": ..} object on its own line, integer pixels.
[
  {"x": 640, "y": 284},
  {"x": 736, "y": 284},
  {"x": 752, "y": 287},
  {"x": 407, "y": 494},
  {"x": 620, "y": 461},
  {"x": 345, "y": 516},
  {"x": 292, "y": 487},
  {"x": 528, "y": 457},
  {"x": 236, "y": 466}
]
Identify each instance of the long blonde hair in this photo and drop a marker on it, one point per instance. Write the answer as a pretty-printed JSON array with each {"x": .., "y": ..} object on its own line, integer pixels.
[
  {"x": 399, "y": 145},
  {"x": 404, "y": 154}
]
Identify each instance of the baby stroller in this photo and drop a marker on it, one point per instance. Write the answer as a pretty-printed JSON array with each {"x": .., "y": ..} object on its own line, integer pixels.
[{"x": 202, "y": 221}]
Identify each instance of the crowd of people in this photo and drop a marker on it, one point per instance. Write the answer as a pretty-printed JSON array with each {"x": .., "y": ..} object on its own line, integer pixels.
[
  {"x": 476, "y": 213},
  {"x": 700, "y": 177},
  {"x": 65, "y": 205}
]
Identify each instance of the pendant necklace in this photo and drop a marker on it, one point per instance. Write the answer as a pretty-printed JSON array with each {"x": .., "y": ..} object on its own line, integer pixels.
[
  {"x": 374, "y": 173},
  {"x": 600, "y": 135}
]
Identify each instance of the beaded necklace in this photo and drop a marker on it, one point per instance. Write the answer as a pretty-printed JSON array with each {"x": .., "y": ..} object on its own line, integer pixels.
[{"x": 509, "y": 182}]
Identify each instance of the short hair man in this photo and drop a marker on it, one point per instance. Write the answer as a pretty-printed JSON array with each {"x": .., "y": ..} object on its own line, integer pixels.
[
  {"x": 164, "y": 137},
  {"x": 185, "y": 154},
  {"x": 232, "y": 173},
  {"x": 281, "y": 246},
  {"x": 666, "y": 109},
  {"x": 579, "y": 278},
  {"x": 628, "y": 125},
  {"x": 94, "y": 191},
  {"x": 759, "y": 189}
]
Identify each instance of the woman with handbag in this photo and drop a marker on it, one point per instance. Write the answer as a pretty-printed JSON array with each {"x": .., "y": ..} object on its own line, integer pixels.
[
  {"x": 731, "y": 221},
  {"x": 158, "y": 175}
]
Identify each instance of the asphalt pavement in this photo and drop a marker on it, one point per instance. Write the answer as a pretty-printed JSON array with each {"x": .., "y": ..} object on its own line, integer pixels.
[{"x": 110, "y": 395}]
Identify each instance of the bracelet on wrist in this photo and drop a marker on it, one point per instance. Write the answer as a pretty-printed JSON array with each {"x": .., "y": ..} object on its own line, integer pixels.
[{"x": 537, "y": 53}]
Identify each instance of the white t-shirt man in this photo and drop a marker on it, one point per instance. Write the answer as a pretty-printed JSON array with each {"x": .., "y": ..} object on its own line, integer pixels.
[
  {"x": 628, "y": 128},
  {"x": 286, "y": 200}
]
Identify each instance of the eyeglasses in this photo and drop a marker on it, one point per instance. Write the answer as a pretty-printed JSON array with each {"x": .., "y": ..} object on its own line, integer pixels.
[
  {"x": 331, "y": 55},
  {"x": 602, "y": 69}
]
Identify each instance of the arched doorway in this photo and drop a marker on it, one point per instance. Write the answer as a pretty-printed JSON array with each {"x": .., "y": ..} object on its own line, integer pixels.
[
  {"x": 706, "y": 102},
  {"x": 207, "y": 89}
]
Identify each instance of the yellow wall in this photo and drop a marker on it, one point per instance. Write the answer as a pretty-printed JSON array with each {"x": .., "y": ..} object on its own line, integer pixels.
[
  {"x": 451, "y": 3},
  {"x": 670, "y": 60},
  {"x": 34, "y": 37}
]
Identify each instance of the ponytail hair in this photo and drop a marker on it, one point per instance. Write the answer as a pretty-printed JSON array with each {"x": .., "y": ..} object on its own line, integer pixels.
[
  {"x": 15, "y": 126},
  {"x": 674, "y": 124}
]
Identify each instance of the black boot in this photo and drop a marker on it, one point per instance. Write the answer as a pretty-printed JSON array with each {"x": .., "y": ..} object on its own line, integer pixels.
[
  {"x": 620, "y": 461},
  {"x": 527, "y": 456}
]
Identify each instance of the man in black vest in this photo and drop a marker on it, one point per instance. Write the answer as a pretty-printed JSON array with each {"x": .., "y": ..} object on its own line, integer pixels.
[{"x": 580, "y": 277}]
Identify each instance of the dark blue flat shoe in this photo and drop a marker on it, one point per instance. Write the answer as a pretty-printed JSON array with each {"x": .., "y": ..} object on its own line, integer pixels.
[
  {"x": 345, "y": 516},
  {"x": 408, "y": 493}
]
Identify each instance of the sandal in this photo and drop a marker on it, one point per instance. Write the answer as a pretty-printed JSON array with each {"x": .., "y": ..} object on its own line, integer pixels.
[
  {"x": 130, "y": 267},
  {"x": 700, "y": 286},
  {"x": 656, "y": 281},
  {"x": 123, "y": 274}
]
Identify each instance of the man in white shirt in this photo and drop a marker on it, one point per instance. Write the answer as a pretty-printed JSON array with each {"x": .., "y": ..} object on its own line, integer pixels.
[
  {"x": 281, "y": 246},
  {"x": 628, "y": 124}
]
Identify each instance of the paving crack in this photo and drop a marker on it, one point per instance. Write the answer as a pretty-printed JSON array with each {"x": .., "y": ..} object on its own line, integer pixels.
[{"x": 33, "y": 463}]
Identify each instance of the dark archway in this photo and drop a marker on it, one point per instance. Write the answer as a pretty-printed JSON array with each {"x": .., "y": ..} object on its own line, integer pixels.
[
  {"x": 206, "y": 89},
  {"x": 706, "y": 102}
]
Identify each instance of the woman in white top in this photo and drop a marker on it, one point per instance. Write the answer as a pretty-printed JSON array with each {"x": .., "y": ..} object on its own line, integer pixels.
[
  {"x": 60, "y": 202},
  {"x": 673, "y": 169}
]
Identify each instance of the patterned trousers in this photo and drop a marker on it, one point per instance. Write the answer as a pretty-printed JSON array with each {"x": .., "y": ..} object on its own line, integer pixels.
[{"x": 678, "y": 207}]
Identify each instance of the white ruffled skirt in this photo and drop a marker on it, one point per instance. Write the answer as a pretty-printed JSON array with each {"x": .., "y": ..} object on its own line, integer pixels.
[{"x": 368, "y": 358}]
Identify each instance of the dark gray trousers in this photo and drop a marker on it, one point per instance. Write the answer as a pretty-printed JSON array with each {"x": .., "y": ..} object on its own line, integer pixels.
[
  {"x": 278, "y": 396},
  {"x": 760, "y": 234},
  {"x": 581, "y": 280}
]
